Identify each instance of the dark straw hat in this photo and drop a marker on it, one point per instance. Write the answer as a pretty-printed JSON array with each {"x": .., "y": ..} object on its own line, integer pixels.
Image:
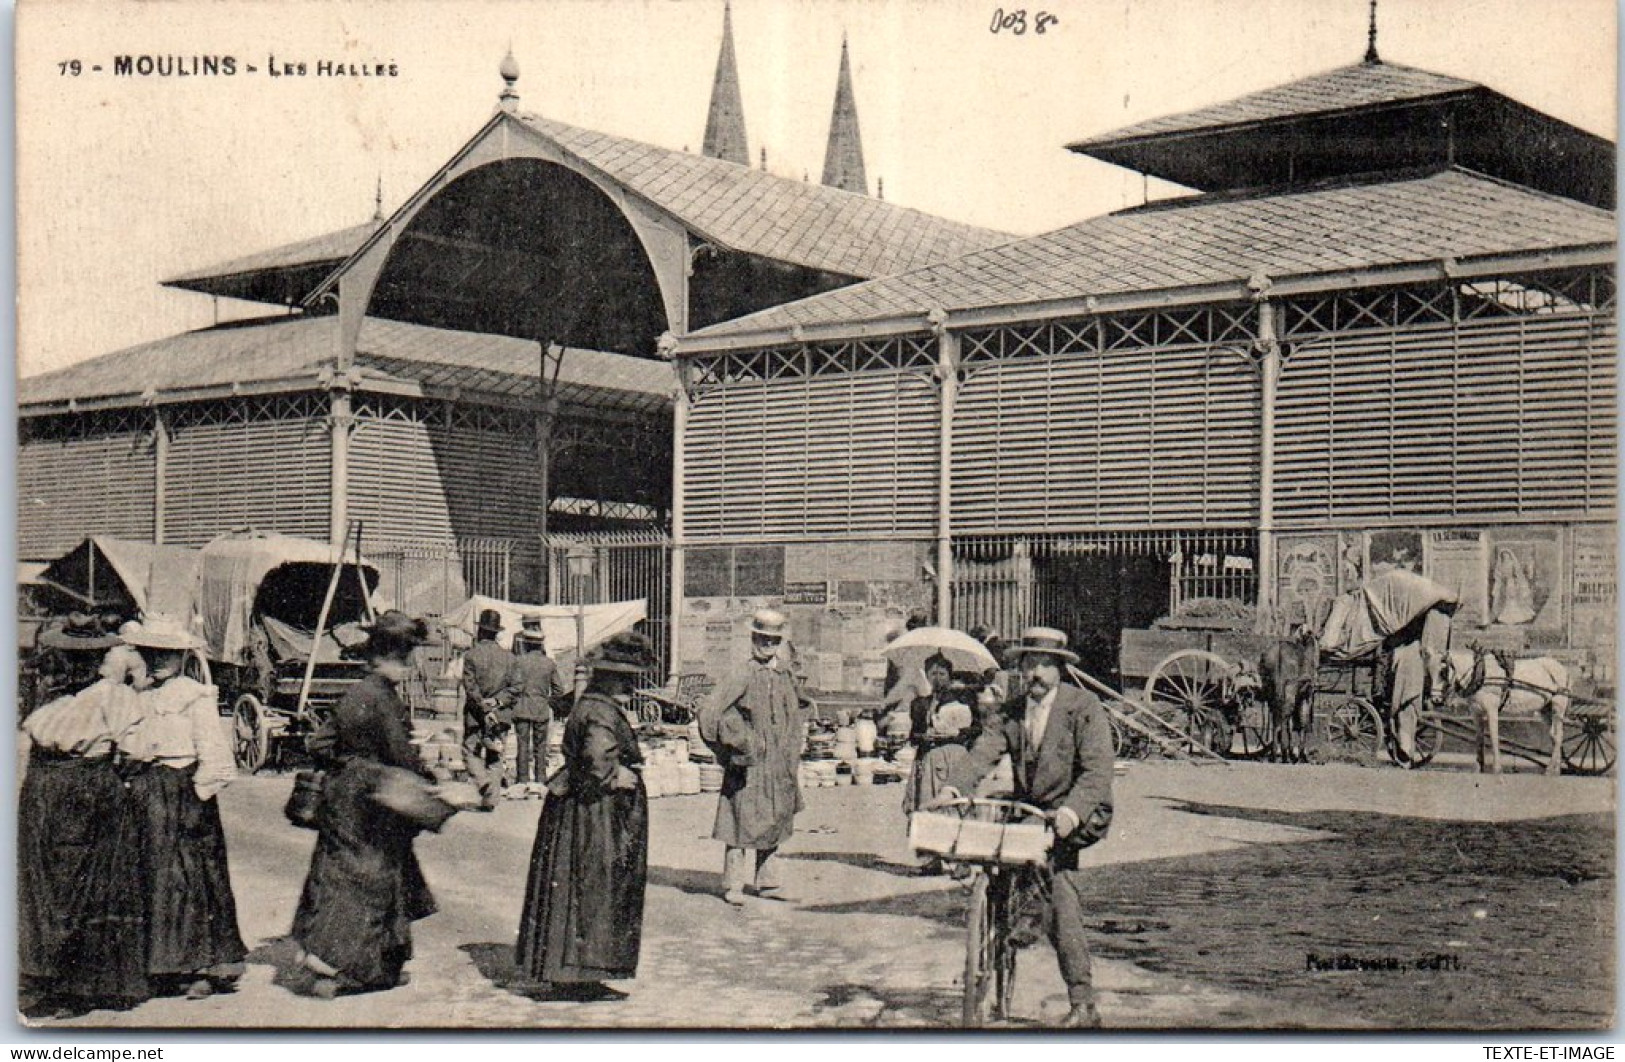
[
  {"x": 490, "y": 620},
  {"x": 395, "y": 633},
  {"x": 629, "y": 653}
]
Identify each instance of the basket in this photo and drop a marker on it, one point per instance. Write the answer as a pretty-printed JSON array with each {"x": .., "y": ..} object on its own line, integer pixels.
[{"x": 969, "y": 840}]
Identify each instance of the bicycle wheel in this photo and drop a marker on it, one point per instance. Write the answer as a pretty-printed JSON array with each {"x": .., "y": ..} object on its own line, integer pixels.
[
  {"x": 1004, "y": 952},
  {"x": 980, "y": 931}
]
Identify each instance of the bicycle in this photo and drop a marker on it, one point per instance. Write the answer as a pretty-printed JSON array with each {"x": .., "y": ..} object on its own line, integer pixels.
[{"x": 997, "y": 848}]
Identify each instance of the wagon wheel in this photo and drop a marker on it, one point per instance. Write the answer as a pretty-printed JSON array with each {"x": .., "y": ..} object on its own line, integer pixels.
[
  {"x": 251, "y": 733},
  {"x": 1194, "y": 688},
  {"x": 1355, "y": 729},
  {"x": 1589, "y": 747}
]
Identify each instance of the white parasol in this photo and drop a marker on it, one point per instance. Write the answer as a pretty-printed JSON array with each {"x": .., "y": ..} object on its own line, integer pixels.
[{"x": 913, "y": 648}]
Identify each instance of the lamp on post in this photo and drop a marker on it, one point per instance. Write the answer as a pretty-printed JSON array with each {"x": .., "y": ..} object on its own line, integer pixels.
[{"x": 578, "y": 565}]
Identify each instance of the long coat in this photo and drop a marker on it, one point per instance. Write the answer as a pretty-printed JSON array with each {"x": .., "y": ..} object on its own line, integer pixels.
[
  {"x": 583, "y": 913},
  {"x": 1070, "y": 767},
  {"x": 365, "y": 888},
  {"x": 760, "y": 729}
]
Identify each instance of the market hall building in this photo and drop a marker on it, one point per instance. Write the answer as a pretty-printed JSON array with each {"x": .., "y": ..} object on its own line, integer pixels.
[
  {"x": 1380, "y": 334},
  {"x": 419, "y": 363}
]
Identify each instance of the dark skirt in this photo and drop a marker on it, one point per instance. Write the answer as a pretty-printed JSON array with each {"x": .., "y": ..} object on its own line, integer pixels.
[
  {"x": 365, "y": 888},
  {"x": 81, "y": 890},
  {"x": 583, "y": 913},
  {"x": 191, "y": 912}
]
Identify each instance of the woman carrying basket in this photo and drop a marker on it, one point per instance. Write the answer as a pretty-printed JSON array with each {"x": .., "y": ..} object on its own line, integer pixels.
[{"x": 364, "y": 889}]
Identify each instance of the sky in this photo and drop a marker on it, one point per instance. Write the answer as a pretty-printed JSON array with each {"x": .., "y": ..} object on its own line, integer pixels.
[{"x": 123, "y": 181}]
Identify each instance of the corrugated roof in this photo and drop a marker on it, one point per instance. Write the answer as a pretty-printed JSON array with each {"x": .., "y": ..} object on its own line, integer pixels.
[
  {"x": 333, "y": 247},
  {"x": 1346, "y": 88},
  {"x": 1214, "y": 240},
  {"x": 758, "y": 213},
  {"x": 293, "y": 349}
]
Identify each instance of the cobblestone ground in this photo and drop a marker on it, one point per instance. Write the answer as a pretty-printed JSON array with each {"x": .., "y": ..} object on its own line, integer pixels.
[{"x": 1216, "y": 886}]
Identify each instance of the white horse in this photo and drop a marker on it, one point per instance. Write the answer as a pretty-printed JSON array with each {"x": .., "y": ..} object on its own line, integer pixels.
[{"x": 1538, "y": 686}]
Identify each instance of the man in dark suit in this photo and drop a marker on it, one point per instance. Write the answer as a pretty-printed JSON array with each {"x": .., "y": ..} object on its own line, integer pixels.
[
  {"x": 489, "y": 686},
  {"x": 1060, "y": 746}
]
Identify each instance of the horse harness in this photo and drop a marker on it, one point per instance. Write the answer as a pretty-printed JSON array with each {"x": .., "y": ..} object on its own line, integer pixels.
[{"x": 1478, "y": 678}]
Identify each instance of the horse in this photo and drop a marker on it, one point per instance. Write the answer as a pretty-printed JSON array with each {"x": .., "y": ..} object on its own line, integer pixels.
[
  {"x": 1286, "y": 673},
  {"x": 1491, "y": 686}
]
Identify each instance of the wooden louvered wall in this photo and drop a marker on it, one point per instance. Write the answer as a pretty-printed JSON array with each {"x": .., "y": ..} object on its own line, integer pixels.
[
  {"x": 429, "y": 472},
  {"x": 260, "y": 463},
  {"x": 850, "y": 454},
  {"x": 1504, "y": 418},
  {"x": 1137, "y": 439},
  {"x": 80, "y": 475}
]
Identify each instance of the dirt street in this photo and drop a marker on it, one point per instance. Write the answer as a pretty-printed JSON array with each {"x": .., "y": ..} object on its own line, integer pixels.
[{"x": 1227, "y": 897}]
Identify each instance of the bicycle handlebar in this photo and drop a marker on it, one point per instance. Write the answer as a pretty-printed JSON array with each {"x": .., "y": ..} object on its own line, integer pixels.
[{"x": 994, "y": 802}]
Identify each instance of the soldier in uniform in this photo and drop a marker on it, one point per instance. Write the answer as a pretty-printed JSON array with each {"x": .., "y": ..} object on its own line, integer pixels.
[
  {"x": 536, "y": 682},
  {"x": 488, "y": 696}
]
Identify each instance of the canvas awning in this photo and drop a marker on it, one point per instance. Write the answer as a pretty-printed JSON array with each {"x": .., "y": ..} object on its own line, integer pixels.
[
  {"x": 126, "y": 576},
  {"x": 233, "y": 579}
]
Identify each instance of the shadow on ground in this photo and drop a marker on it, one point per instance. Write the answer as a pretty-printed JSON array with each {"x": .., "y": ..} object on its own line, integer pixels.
[{"x": 1499, "y": 925}]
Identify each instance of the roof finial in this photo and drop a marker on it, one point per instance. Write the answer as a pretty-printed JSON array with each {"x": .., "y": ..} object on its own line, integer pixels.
[
  {"x": 1371, "y": 37},
  {"x": 880, "y": 187},
  {"x": 378, "y": 200},
  {"x": 509, "y": 100},
  {"x": 764, "y": 160}
]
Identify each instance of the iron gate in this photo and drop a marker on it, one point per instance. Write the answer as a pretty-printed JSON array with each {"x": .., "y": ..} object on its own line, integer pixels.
[
  {"x": 1094, "y": 585},
  {"x": 616, "y": 566}
]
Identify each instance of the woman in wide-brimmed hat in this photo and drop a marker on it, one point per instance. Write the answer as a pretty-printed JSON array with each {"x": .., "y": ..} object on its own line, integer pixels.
[
  {"x": 582, "y": 921},
  {"x": 180, "y": 761},
  {"x": 81, "y": 896},
  {"x": 365, "y": 888}
]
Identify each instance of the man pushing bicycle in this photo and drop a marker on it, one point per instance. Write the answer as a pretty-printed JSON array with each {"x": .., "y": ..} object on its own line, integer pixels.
[{"x": 1060, "y": 746}]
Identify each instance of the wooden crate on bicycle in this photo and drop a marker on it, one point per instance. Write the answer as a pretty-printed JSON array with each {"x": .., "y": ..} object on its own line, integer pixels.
[{"x": 972, "y": 840}]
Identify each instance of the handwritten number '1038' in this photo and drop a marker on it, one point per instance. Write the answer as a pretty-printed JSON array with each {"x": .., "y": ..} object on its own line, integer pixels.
[{"x": 1016, "y": 21}]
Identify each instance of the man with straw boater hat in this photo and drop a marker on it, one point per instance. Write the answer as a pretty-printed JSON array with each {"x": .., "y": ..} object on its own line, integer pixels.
[
  {"x": 536, "y": 683},
  {"x": 1060, "y": 746},
  {"x": 755, "y": 722},
  {"x": 488, "y": 695}
]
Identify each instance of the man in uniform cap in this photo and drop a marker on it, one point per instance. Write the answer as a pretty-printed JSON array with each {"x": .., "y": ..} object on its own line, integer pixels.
[
  {"x": 1060, "y": 745},
  {"x": 488, "y": 695},
  {"x": 755, "y": 721},
  {"x": 536, "y": 683}
]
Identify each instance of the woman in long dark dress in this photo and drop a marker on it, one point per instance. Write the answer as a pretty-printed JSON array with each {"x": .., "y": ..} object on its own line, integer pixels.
[
  {"x": 583, "y": 915},
  {"x": 81, "y": 896},
  {"x": 179, "y": 762},
  {"x": 364, "y": 889}
]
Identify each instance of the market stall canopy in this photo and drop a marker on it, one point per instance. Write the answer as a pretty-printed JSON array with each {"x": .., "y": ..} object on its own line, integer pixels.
[
  {"x": 125, "y": 576},
  {"x": 558, "y": 623},
  {"x": 1385, "y": 605},
  {"x": 278, "y": 576}
]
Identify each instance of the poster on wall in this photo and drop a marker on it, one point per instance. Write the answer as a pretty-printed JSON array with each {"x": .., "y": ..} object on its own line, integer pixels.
[
  {"x": 1455, "y": 560},
  {"x": 1525, "y": 577},
  {"x": 1395, "y": 549},
  {"x": 1594, "y": 598},
  {"x": 1306, "y": 579}
]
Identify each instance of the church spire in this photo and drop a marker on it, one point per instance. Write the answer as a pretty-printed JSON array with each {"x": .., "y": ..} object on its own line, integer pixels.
[
  {"x": 725, "y": 124},
  {"x": 843, "y": 158}
]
